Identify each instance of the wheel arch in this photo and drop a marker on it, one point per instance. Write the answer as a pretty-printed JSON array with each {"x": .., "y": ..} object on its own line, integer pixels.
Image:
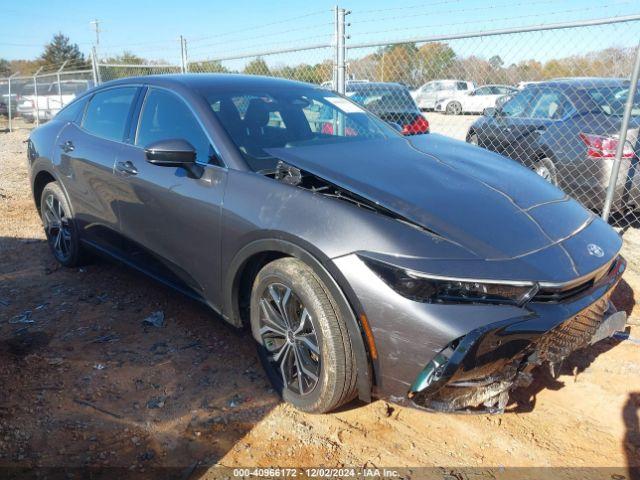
[
  {"x": 40, "y": 180},
  {"x": 248, "y": 261}
]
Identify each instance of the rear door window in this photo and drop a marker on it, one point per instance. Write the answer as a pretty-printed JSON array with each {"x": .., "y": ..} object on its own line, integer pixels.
[
  {"x": 462, "y": 86},
  {"x": 108, "y": 113}
]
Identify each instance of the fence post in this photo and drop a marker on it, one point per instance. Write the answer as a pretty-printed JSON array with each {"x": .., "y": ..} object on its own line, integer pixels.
[
  {"x": 9, "y": 106},
  {"x": 58, "y": 81},
  {"x": 340, "y": 50},
  {"x": 97, "y": 80},
  {"x": 622, "y": 138},
  {"x": 35, "y": 94},
  {"x": 183, "y": 54}
]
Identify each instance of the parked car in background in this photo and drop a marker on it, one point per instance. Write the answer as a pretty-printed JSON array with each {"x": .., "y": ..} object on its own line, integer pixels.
[
  {"x": 391, "y": 102},
  {"x": 567, "y": 132},
  {"x": 428, "y": 94},
  {"x": 522, "y": 85},
  {"x": 473, "y": 101},
  {"x": 364, "y": 263},
  {"x": 51, "y": 98},
  {"x": 4, "y": 99}
]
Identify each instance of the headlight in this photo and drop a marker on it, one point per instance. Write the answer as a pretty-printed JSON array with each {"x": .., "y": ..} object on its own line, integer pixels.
[{"x": 423, "y": 288}]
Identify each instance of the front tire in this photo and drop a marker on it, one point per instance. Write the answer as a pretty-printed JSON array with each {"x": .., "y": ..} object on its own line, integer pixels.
[
  {"x": 59, "y": 227},
  {"x": 303, "y": 343}
]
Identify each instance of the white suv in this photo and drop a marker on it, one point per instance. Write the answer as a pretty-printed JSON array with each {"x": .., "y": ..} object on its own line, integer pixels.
[{"x": 428, "y": 94}]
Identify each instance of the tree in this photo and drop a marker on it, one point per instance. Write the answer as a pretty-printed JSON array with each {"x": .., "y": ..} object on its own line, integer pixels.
[
  {"x": 496, "y": 62},
  {"x": 208, "y": 66},
  {"x": 433, "y": 60},
  {"x": 127, "y": 58},
  {"x": 59, "y": 50},
  {"x": 5, "y": 68},
  {"x": 257, "y": 67}
]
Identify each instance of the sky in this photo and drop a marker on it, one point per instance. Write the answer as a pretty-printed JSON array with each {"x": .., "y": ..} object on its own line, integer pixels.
[{"x": 215, "y": 29}]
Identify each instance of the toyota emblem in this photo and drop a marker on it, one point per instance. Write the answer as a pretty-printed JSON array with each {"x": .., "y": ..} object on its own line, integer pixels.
[{"x": 595, "y": 250}]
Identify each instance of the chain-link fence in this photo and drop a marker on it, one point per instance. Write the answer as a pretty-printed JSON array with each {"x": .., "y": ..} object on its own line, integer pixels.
[
  {"x": 26, "y": 101},
  {"x": 549, "y": 97},
  {"x": 552, "y": 97}
]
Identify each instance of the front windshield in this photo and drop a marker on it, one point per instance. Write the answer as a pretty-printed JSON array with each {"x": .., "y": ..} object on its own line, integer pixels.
[{"x": 258, "y": 121}]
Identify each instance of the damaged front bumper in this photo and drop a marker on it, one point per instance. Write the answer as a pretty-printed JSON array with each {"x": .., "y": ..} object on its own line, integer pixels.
[{"x": 476, "y": 373}]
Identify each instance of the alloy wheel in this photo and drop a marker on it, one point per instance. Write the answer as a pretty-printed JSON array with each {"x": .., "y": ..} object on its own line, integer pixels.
[
  {"x": 454, "y": 108},
  {"x": 57, "y": 227},
  {"x": 290, "y": 338}
]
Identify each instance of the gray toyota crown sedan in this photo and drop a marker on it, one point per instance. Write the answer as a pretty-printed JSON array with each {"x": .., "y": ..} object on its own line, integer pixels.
[{"x": 423, "y": 270}]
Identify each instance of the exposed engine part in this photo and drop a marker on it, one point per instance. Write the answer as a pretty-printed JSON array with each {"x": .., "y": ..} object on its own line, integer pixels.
[
  {"x": 299, "y": 178},
  {"x": 288, "y": 174}
]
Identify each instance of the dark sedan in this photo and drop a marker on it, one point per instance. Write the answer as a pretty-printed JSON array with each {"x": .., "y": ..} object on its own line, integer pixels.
[
  {"x": 391, "y": 102},
  {"x": 566, "y": 131},
  {"x": 419, "y": 269}
]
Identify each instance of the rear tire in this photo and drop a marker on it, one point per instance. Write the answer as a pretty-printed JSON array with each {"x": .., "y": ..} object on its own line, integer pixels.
[
  {"x": 303, "y": 343},
  {"x": 59, "y": 227},
  {"x": 454, "y": 108}
]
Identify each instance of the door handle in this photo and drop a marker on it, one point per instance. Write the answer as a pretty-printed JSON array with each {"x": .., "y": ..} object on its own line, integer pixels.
[
  {"x": 67, "y": 146},
  {"x": 127, "y": 167}
]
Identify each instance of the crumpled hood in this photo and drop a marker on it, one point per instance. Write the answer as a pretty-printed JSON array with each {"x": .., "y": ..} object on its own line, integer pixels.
[{"x": 484, "y": 202}]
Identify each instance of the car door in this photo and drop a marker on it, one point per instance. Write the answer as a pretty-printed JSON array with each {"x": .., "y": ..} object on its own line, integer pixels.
[
  {"x": 495, "y": 132},
  {"x": 475, "y": 100},
  {"x": 87, "y": 151},
  {"x": 172, "y": 219},
  {"x": 519, "y": 139}
]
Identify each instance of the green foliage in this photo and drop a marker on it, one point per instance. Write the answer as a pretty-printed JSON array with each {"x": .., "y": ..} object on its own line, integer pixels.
[
  {"x": 257, "y": 67},
  {"x": 59, "y": 50},
  {"x": 5, "y": 68}
]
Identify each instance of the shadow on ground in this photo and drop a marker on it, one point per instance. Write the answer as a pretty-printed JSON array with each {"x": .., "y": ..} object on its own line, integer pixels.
[{"x": 86, "y": 383}]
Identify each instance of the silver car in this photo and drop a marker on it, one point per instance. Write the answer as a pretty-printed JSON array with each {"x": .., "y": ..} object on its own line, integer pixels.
[{"x": 364, "y": 263}]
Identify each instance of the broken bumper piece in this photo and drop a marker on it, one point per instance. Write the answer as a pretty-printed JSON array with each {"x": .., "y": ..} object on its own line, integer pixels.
[{"x": 476, "y": 373}]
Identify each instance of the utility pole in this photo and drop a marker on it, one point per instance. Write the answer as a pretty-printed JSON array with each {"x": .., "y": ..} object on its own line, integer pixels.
[{"x": 96, "y": 27}]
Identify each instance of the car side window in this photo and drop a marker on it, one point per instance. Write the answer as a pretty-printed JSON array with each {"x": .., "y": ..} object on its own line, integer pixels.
[
  {"x": 482, "y": 91},
  {"x": 108, "y": 112},
  {"x": 518, "y": 106},
  {"x": 73, "y": 111},
  {"x": 165, "y": 116},
  {"x": 462, "y": 86},
  {"x": 551, "y": 105}
]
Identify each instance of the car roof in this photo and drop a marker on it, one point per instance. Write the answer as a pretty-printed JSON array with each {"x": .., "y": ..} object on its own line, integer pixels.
[
  {"x": 580, "y": 82},
  {"x": 352, "y": 87},
  {"x": 201, "y": 80}
]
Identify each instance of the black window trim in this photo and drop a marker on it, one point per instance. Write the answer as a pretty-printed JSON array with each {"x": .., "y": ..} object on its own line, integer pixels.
[
  {"x": 80, "y": 123},
  {"x": 138, "y": 118}
]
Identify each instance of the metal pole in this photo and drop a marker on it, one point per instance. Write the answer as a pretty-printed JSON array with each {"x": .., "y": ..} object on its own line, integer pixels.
[
  {"x": 10, "y": 116},
  {"x": 94, "y": 67},
  {"x": 340, "y": 54},
  {"x": 622, "y": 138},
  {"x": 182, "y": 67},
  {"x": 96, "y": 75},
  {"x": 186, "y": 55},
  {"x": 59, "y": 85},
  {"x": 35, "y": 93}
]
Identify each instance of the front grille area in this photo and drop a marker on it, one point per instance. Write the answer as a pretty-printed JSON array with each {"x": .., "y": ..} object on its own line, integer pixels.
[
  {"x": 572, "y": 334},
  {"x": 556, "y": 295}
]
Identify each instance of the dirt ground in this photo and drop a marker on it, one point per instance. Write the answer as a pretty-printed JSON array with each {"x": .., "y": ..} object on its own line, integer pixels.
[{"x": 85, "y": 383}]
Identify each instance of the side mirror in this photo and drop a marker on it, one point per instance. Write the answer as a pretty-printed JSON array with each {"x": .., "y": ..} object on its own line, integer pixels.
[
  {"x": 396, "y": 126},
  {"x": 174, "y": 152},
  {"x": 490, "y": 112}
]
